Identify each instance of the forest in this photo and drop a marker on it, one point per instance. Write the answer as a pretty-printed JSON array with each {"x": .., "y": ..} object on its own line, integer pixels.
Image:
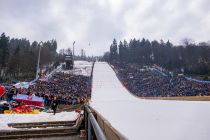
[
  {"x": 189, "y": 58},
  {"x": 18, "y": 57}
]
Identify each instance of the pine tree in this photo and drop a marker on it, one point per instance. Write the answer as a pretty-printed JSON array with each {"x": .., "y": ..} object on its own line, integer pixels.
[{"x": 4, "y": 50}]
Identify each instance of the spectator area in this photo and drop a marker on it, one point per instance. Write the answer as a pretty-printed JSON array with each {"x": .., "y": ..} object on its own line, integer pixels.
[{"x": 146, "y": 82}]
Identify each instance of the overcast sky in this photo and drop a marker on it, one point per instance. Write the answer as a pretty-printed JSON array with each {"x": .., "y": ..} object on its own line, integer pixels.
[{"x": 99, "y": 21}]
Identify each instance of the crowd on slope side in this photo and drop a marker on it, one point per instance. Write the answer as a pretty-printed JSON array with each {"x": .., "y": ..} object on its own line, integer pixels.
[
  {"x": 67, "y": 88},
  {"x": 149, "y": 83}
]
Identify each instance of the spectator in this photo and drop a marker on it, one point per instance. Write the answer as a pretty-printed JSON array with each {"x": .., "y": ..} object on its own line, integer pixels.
[
  {"x": 11, "y": 92},
  {"x": 68, "y": 88},
  {"x": 54, "y": 105},
  {"x": 150, "y": 83}
]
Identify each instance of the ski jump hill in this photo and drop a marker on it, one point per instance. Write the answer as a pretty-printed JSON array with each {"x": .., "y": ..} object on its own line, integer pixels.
[{"x": 141, "y": 119}]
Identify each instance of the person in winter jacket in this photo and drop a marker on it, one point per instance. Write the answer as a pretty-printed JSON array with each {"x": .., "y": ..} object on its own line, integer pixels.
[{"x": 54, "y": 104}]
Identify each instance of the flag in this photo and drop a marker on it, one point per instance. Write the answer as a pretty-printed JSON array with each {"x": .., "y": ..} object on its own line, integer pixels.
[
  {"x": 29, "y": 100},
  {"x": 73, "y": 42},
  {"x": 2, "y": 90}
]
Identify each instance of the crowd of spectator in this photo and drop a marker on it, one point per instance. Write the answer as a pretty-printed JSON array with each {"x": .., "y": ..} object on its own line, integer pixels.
[
  {"x": 68, "y": 89},
  {"x": 145, "y": 82}
]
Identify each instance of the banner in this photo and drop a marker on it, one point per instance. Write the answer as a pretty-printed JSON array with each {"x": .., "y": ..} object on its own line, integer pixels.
[
  {"x": 29, "y": 100},
  {"x": 23, "y": 85},
  {"x": 2, "y": 90}
]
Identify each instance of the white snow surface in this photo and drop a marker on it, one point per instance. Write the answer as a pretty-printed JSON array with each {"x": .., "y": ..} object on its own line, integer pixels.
[
  {"x": 140, "y": 119},
  {"x": 41, "y": 117}
]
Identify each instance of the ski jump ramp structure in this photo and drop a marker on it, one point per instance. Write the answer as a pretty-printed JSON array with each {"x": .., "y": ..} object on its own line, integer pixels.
[{"x": 133, "y": 118}]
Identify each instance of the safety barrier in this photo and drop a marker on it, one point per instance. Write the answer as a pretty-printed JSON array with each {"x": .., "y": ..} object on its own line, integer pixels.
[{"x": 92, "y": 127}]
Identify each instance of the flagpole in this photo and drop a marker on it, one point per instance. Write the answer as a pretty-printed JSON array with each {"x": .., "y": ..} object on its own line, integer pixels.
[
  {"x": 38, "y": 69},
  {"x": 73, "y": 53}
]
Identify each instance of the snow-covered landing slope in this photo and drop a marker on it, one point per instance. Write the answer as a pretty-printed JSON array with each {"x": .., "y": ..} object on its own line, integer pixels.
[{"x": 140, "y": 119}]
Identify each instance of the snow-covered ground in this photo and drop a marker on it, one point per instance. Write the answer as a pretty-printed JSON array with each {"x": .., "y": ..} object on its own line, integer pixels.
[
  {"x": 42, "y": 117},
  {"x": 81, "y": 68},
  {"x": 147, "y": 119}
]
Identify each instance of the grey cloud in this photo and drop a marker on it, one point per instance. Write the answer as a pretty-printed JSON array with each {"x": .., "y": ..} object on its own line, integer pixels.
[{"x": 99, "y": 21}]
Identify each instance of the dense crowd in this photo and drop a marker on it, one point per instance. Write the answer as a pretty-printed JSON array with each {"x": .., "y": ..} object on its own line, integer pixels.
[
  {"x": 146, "y": 82},
  {"x": 68, "y": 89}
]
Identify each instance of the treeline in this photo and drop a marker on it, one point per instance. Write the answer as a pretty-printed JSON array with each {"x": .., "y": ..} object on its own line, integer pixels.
[
  {"x": 189, "y": 58},
  {"x": 18, "y": 57}
]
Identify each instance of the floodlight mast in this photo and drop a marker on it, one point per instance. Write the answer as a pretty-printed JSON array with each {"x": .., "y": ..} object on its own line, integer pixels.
[{"x": 38, "y": 68}]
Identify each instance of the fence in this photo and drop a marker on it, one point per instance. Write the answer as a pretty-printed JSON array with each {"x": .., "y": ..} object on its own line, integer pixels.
[{"x": 92, "y": 127}]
